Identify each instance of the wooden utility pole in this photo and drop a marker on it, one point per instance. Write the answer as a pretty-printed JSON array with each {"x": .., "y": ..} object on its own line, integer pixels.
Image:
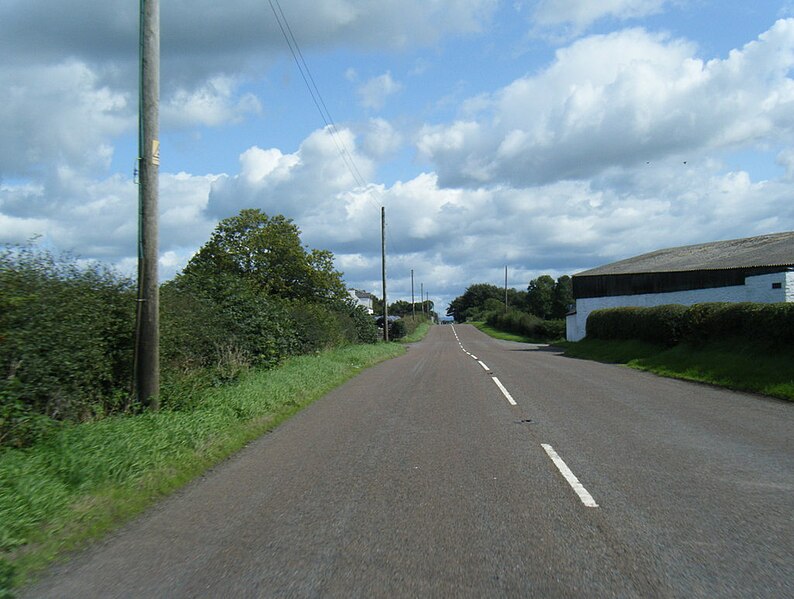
[
  {"x": 505, "y": 289},
  {"x": 422, "y": 296},
  {"x": 147, "y": 341},
  {"x": 413, "y": 303},
  {"x": 383, "y": 270}
]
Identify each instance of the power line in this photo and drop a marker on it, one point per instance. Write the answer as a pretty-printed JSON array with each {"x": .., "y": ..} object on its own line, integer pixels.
[
  {"x": 314, "y": 91},
  {"x": 322, "y": 107}
]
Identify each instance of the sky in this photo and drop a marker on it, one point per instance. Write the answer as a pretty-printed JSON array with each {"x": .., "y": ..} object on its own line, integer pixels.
[{"x": 548, "y": 136}]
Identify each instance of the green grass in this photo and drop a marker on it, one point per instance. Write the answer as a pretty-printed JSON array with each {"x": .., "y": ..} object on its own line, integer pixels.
[
  {"x": 89, "y": 478},
  {"x": 737, "y": 365},
  {"x": 418, "y": 334},
  {"x": 497, "y": 334}
]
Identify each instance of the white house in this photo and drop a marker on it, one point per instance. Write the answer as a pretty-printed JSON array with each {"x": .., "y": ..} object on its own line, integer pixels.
[
  {"x": 756, "y": 269},
  {"x": 362, "y": 298}
]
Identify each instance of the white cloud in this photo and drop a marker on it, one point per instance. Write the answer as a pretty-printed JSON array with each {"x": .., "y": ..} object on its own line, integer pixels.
[
  {"x": 98, "y": 219},
  {"x": 58, "y": 113},
  {"x": 375, "y": 91},
  {"x": 786, "y": 160},
  {"x": 580, "y": 14},
  {"x": 325, "y": 164},
  {"x": 619, "y": 100},
  {"x": 381, "y": 139},
  {"x": 212, "y": 104}
]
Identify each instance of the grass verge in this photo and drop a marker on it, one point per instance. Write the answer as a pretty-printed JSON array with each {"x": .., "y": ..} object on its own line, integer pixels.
[
  {"x": 497, "y": 334},
  {"x": 418, "y": 334},
  {"x": 740, "y": 366},
  {"x": 89, "y": 478}
]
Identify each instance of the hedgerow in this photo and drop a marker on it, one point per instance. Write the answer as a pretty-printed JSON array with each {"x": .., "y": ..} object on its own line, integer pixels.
[
  {"x": 770, "y": 325},
  {"x": 252, "y": 297},
  {"x": 528, "y": 325}
]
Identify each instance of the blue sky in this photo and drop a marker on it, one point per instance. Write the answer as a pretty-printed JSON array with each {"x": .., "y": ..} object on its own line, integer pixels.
[{"x": 547, "y": 135}]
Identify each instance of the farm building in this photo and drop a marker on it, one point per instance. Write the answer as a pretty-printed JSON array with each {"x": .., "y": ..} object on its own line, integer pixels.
[{"x": 755, "y": 269}]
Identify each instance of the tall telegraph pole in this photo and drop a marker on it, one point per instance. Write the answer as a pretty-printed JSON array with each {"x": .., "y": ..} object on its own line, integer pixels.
[
  {"x": 413, "y": 302},
  {"x": 505, "y": 288},
  {"x": 383, "y": 270},
  {"x": 147, "y": 342}
]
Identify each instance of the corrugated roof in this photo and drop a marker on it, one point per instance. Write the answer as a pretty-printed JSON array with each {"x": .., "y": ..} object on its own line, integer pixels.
[{"x": 766, "y": 250}]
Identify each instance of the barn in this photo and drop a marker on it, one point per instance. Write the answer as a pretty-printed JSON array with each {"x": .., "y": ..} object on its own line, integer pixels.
[{"x": 754, "y": 269}]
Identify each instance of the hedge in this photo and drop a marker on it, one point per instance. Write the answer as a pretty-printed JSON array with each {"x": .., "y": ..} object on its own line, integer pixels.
[
  {"x": 771, "y": 325},
  {"x": 528, "y": 325}
]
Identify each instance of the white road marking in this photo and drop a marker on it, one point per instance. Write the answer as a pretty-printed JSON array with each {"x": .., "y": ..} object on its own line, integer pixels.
[
  {"x": 473, "y": 356},
  {"x": 586, "y": 498},
  {"x": 483, "y": 365},
  {"x": 504, "y": 391}
]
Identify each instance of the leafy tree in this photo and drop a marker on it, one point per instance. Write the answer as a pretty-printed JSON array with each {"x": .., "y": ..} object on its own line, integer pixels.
[
  {"x": 517, "y": 299},
  {"x": 541, "y": 296},
  {"x": 403, "y": 308},
  {"x": 473, "y": 299},
  {"x": 563, "y": 297},
  {"x": 493, "y": 305},
  {"x": 268, "y": 254}
]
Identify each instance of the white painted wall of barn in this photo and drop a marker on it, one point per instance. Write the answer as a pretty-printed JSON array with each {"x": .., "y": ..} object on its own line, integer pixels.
[{"x": 755, "y": 289}]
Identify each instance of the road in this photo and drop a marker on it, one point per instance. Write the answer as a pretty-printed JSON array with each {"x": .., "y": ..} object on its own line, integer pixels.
[{"x": 421, "y": 478}]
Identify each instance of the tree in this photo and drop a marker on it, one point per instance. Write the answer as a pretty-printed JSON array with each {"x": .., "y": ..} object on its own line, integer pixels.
[
  {"x": 473, "y": 299},
  {"x": 563, "y": 297},
  {"x": 541, "y": 296},
  {"x": 266, "y": 252},
  {"x": 517, "y": 299}
]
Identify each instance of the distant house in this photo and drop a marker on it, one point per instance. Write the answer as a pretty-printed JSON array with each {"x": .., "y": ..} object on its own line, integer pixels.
[
  {"x": 363, "y": 299},
  {"x": 755, "y": 269}
]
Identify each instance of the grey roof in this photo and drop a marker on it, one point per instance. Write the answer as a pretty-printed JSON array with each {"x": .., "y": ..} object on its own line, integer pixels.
[{"x": 766, "y": 250}]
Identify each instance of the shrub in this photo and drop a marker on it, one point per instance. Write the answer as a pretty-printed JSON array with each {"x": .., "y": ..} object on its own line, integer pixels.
[
  {"x": 319, "y": 328},
  {"x": 699, "y": 324},
  {"x": 659, "y": 324},
  {"x": 552, "y": 329},
  {"x": 411, "y": 323},
  {"x": 365, "y": 327},
  {"x": 528, "y": 325},
  {"x": 770, "y": 325},
  {"x": 66, "y": 340},
  {"x": 397, "y": 329}
]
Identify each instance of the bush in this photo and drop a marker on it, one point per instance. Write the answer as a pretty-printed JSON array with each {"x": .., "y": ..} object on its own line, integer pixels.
[
  {"x": 552, "y": 329},
  {"x": 700, "y": 325},
  {"x": 397, "y": 329},
  {"x": 769, "y": 325},
  {"x": 66, "y": 341},
  {"x": 660, "y": 324},
  {"x": 366, "y": 329},
  {"x": 528, "y": 325}
]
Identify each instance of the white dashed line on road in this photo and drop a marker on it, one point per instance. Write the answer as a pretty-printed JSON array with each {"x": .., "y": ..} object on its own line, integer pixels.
[
  {"x": 569, "y": 476},
  {"x": 578, "y": 488},
  {"x": 504, "y": 391}
]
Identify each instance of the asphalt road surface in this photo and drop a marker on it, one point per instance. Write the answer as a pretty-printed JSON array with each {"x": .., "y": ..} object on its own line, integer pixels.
[{"x": 420, "y": 478}]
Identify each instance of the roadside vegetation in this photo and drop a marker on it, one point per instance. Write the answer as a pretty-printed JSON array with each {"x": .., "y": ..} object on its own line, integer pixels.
[
  {"x": 535, "y": 315},
  {"x": 416, "y": 329},
  {"x": 87, "y": 478},
  {"x": 747, "y": 347},
  {"x": 254, "y": 328},
  {"x": 497, "y": 334}
]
